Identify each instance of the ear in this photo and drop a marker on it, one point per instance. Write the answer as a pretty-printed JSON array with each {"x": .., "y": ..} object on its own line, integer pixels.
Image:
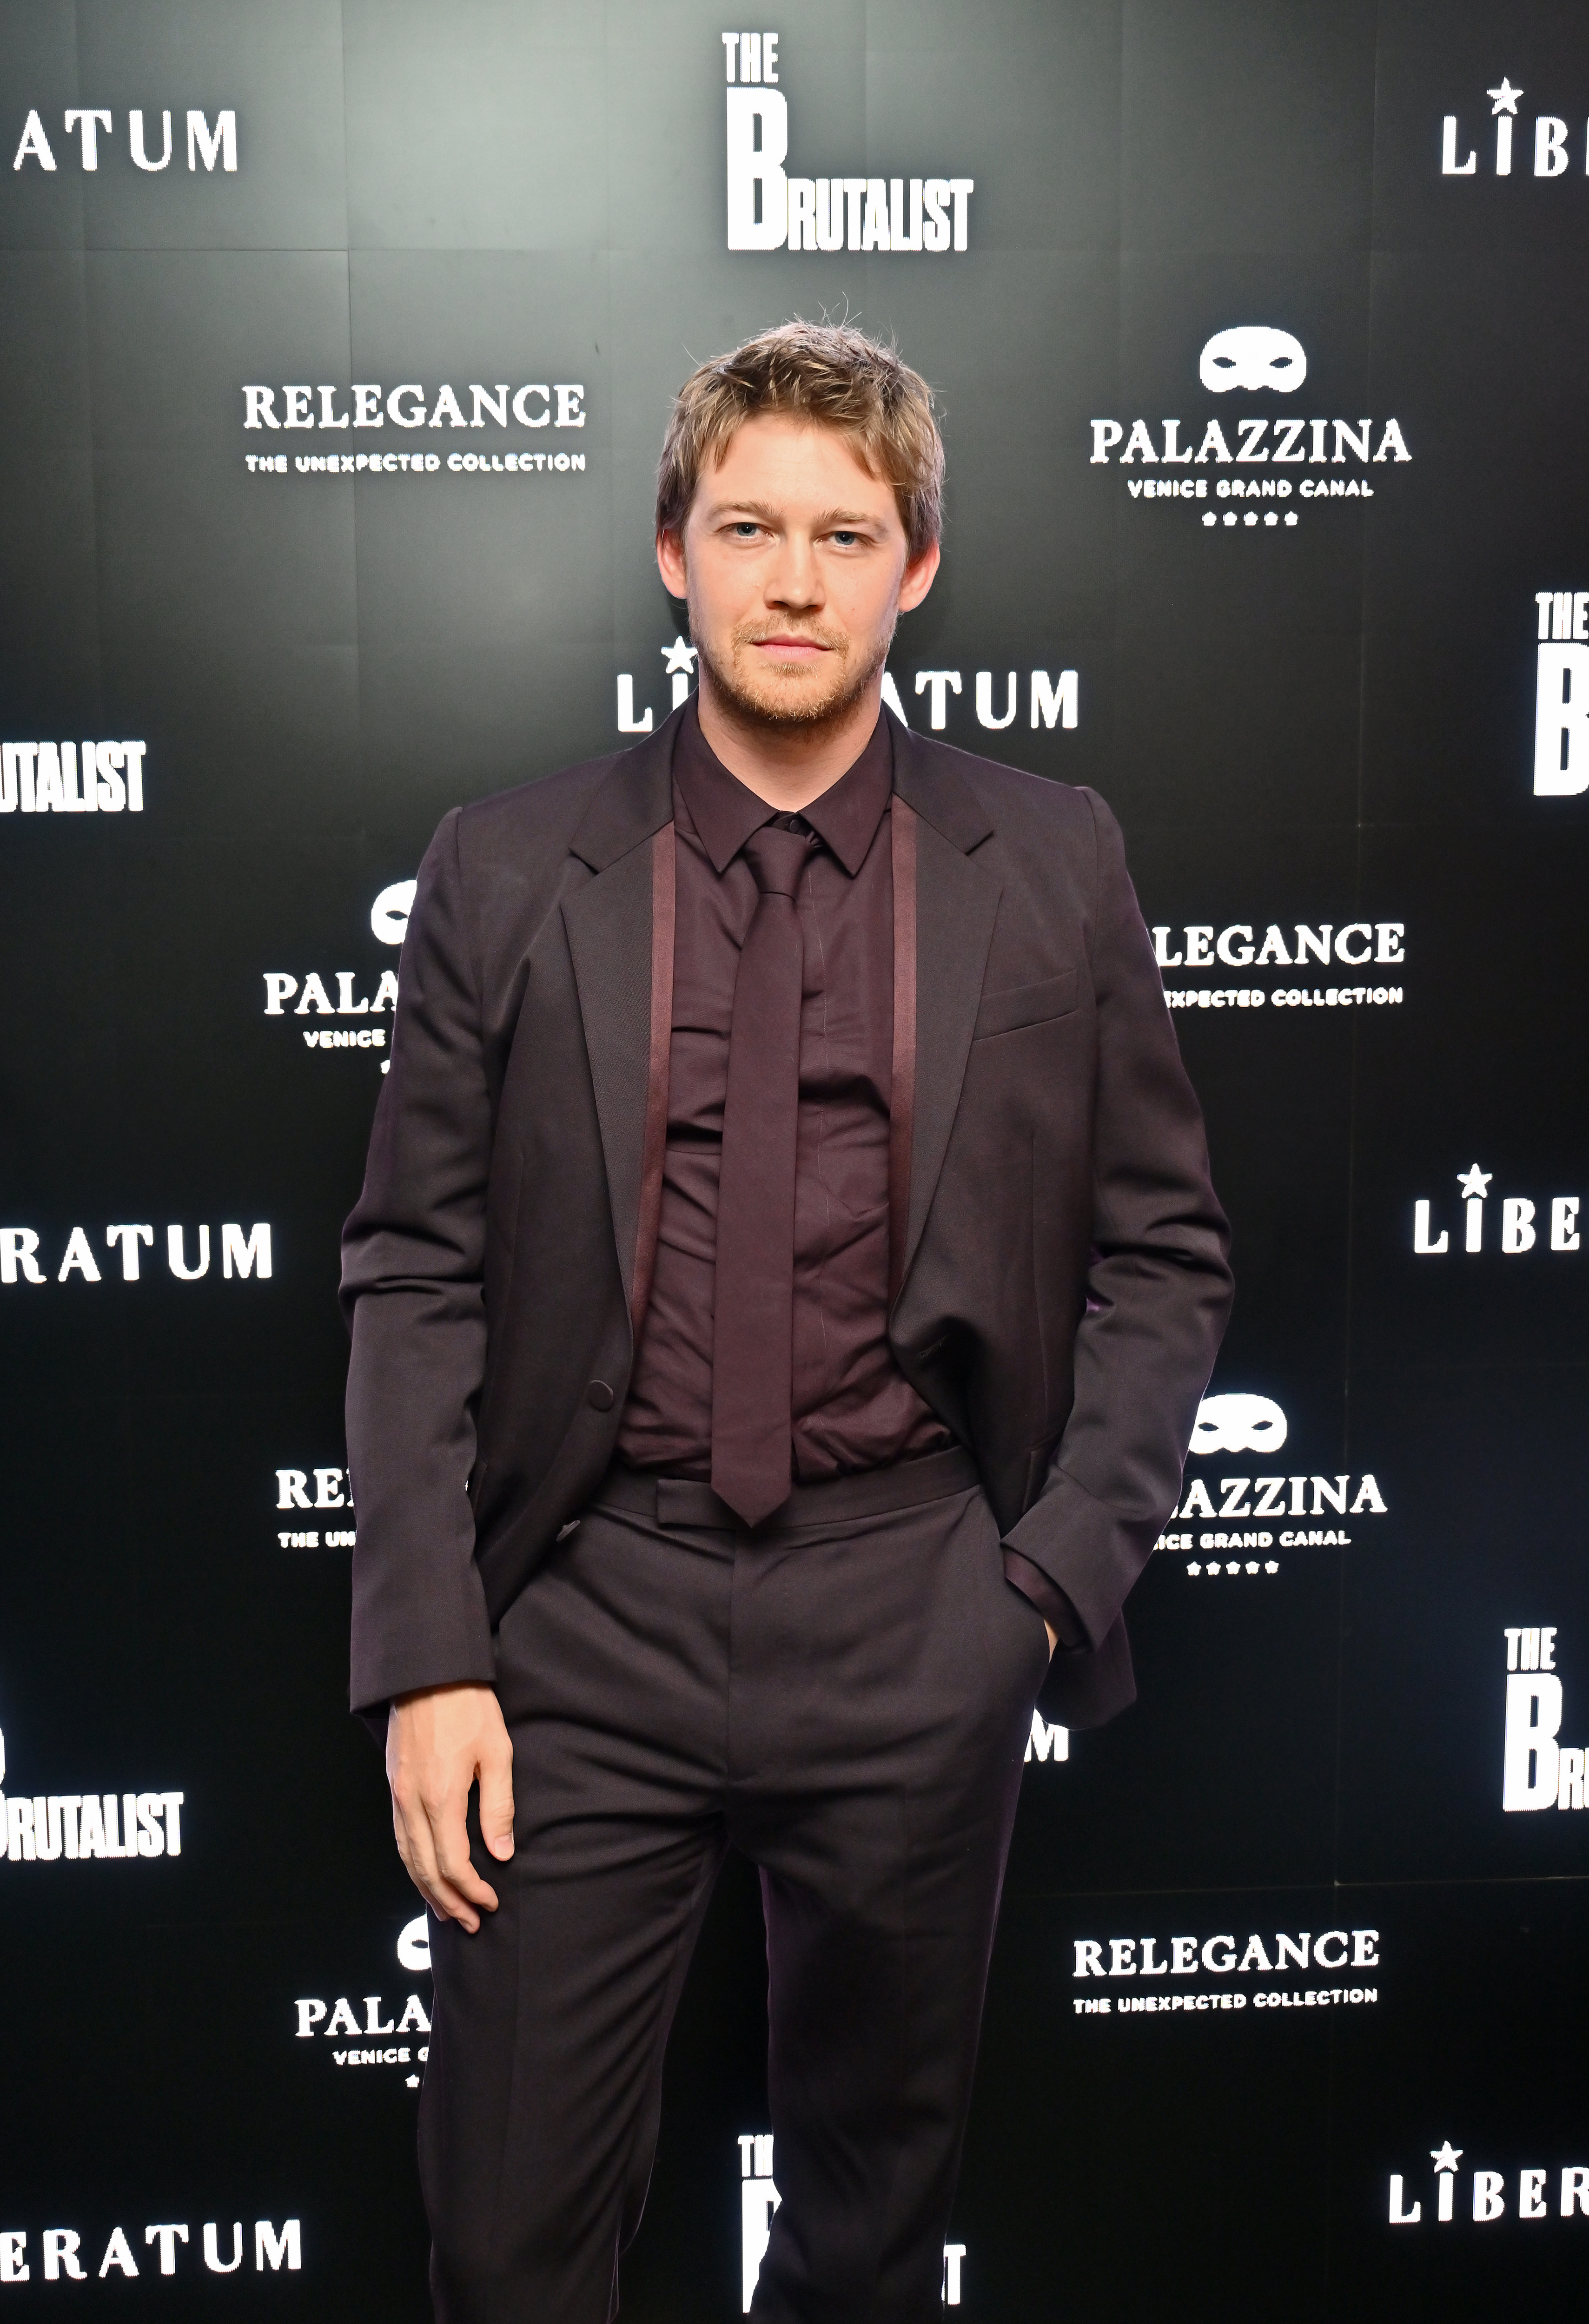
[
  {"x": 919, "y": 577},
  {"x": 670, "y": 562}
]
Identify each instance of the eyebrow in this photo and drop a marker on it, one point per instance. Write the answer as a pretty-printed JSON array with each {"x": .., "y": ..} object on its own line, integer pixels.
[{"x": 841, "y": 518}]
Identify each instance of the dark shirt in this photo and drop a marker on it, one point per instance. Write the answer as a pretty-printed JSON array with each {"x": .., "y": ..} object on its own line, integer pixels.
[
  {"x": 853, "y": 1409},
  {"x": 852, "y": 1406}
]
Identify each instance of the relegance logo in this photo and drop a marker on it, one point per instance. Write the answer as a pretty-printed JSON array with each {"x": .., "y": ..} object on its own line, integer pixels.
[
  {"x": 1261, "y": 360},
  {"x": 1253, "y": 1515},
  {"x": 84, "y": 1827},
  {"x": 1536, "y": 1770},
  {"x": 768, "y": 209},
  {"x": 412, "y": 405},
  {"x": 758, "y": 2200},
  {"x": 1359, "y": 947},
  {"x": 1294, "y": 1958},
  {"x": 333, "y": 1492},
  {"x": 1487, "y": 2198}
]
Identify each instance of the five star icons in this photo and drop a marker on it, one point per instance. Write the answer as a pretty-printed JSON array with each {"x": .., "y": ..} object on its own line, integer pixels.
[
  {"x": 1506, "y": 97},
  {"x": 1474, "y": 1184}
]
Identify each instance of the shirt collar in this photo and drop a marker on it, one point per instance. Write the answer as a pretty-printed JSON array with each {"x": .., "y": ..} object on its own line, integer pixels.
[{"x": 725, "y": 811}]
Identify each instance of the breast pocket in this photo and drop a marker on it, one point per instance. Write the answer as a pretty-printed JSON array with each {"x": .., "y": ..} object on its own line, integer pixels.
[{"x": 1025, "y": 1004}]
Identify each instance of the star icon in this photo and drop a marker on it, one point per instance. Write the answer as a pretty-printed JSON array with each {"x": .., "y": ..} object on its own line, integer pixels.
[
  {"x": 1506, "y": 97},
  {"x": 1474, "y": 1184},
  {"x": 1444, "y": 2158},
  {"x": 677, "y": 658},
  {"x": 413, "y": 2081},
  {"x": 1271, "y": 1565},
  {"x": 1194, "y": 1567}
]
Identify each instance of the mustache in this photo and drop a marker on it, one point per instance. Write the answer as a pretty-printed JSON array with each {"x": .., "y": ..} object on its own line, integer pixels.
[{"x": 835, "y": 640}]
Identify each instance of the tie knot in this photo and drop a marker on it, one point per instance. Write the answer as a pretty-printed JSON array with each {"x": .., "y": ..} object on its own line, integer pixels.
[{"x": 777, "y": 858}]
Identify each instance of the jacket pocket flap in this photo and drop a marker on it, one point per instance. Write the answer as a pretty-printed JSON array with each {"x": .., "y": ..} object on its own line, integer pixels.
[{"x": 1026, "y": 1004}]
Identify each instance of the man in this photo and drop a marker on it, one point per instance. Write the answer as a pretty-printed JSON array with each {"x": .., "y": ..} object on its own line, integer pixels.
[{"x": 781, "y": 1291}]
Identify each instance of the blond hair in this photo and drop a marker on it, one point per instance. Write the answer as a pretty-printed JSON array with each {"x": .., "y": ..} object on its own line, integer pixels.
[{"x": 833, "y": 377}]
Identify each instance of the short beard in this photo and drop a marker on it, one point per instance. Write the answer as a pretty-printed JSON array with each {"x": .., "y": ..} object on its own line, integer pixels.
[{"x": 828, "y": 710}]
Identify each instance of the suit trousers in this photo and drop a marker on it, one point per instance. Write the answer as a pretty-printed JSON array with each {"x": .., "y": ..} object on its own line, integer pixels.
[{"x": 844, "y": 1695}]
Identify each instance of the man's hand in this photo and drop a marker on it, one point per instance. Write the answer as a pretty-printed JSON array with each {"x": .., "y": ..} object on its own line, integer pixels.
[{"x": 439, "y": 1742}]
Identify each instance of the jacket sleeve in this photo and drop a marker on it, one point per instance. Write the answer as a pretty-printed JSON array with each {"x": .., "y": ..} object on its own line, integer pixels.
[
  {"x": 1160, "y": 1287},
  {"x": 412, "y": 1291}
]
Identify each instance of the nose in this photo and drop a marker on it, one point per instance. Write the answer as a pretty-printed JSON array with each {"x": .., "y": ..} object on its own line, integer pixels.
[{"x": 794, "y": 578}]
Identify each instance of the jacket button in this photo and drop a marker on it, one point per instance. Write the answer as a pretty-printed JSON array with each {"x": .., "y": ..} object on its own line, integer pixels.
[{"x": 600, "y": 1394}]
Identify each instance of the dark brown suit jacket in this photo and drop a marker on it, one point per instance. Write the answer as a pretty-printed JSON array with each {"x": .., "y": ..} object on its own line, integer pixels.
[{"x": 1066, "y": 1280}]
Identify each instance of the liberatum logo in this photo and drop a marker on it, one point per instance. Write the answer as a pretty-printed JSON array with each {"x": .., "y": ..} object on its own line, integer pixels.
[
  {"x": 51, "y": 778},
  {"x": 1548, "y": 154},
  {"x": 245, "y": 1254},
  {"x": 768, "y": 209},
  {"x": 995, "y": 702},
  {"x": 1536, "y": 1771},
  {"x": 1487, "y": 2198},
  {"x": 1203, "y": 948},
  {"x": 1255, "y": 1515},
  {"x": 1512, "y": 1227},
  {"x": 82, "y": 1826},
  {"x": 61, "y": 2252},
  {"x": 208, "y": 148},
  {"x": 1261, "y": 360},
  {"x": 1287, "y": 1955},
  {"x": 758, "y": 2200}
]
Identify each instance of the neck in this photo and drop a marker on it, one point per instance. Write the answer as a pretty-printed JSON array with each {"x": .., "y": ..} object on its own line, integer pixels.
[{"x": 787, "y": 766}]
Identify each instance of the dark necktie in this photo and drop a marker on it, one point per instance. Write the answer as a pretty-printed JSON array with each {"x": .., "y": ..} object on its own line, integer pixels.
[{"x": 754, "y": 1298}]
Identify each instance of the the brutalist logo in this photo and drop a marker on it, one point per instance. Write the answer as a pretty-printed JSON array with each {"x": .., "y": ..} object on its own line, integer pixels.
[
  {"x": 759, "y": 2199},
  {"x": 768, "y": 209},
  {"x": 1538, "y": 1770},
  {"x": 1561, "y": 694}
]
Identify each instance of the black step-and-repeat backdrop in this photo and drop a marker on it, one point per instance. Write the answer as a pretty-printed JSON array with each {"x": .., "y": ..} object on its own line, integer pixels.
[{"x": 338, "y": 343}]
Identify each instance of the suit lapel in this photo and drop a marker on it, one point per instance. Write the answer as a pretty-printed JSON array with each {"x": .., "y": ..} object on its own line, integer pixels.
[
  {"x": 956, "y": 905},
  {"x": 608, "y": 923}
]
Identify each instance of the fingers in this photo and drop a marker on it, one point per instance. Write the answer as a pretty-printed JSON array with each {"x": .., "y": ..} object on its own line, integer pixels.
[
  {"x": 433, "y": 1842},
  {"x": 497, "y": 1799},
  {"x": 439, "y": 1743},
  {"x": 1053, "y": 1636}
]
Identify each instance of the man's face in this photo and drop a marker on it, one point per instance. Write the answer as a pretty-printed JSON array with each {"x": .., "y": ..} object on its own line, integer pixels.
[{"x": 793, "y": 561}]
